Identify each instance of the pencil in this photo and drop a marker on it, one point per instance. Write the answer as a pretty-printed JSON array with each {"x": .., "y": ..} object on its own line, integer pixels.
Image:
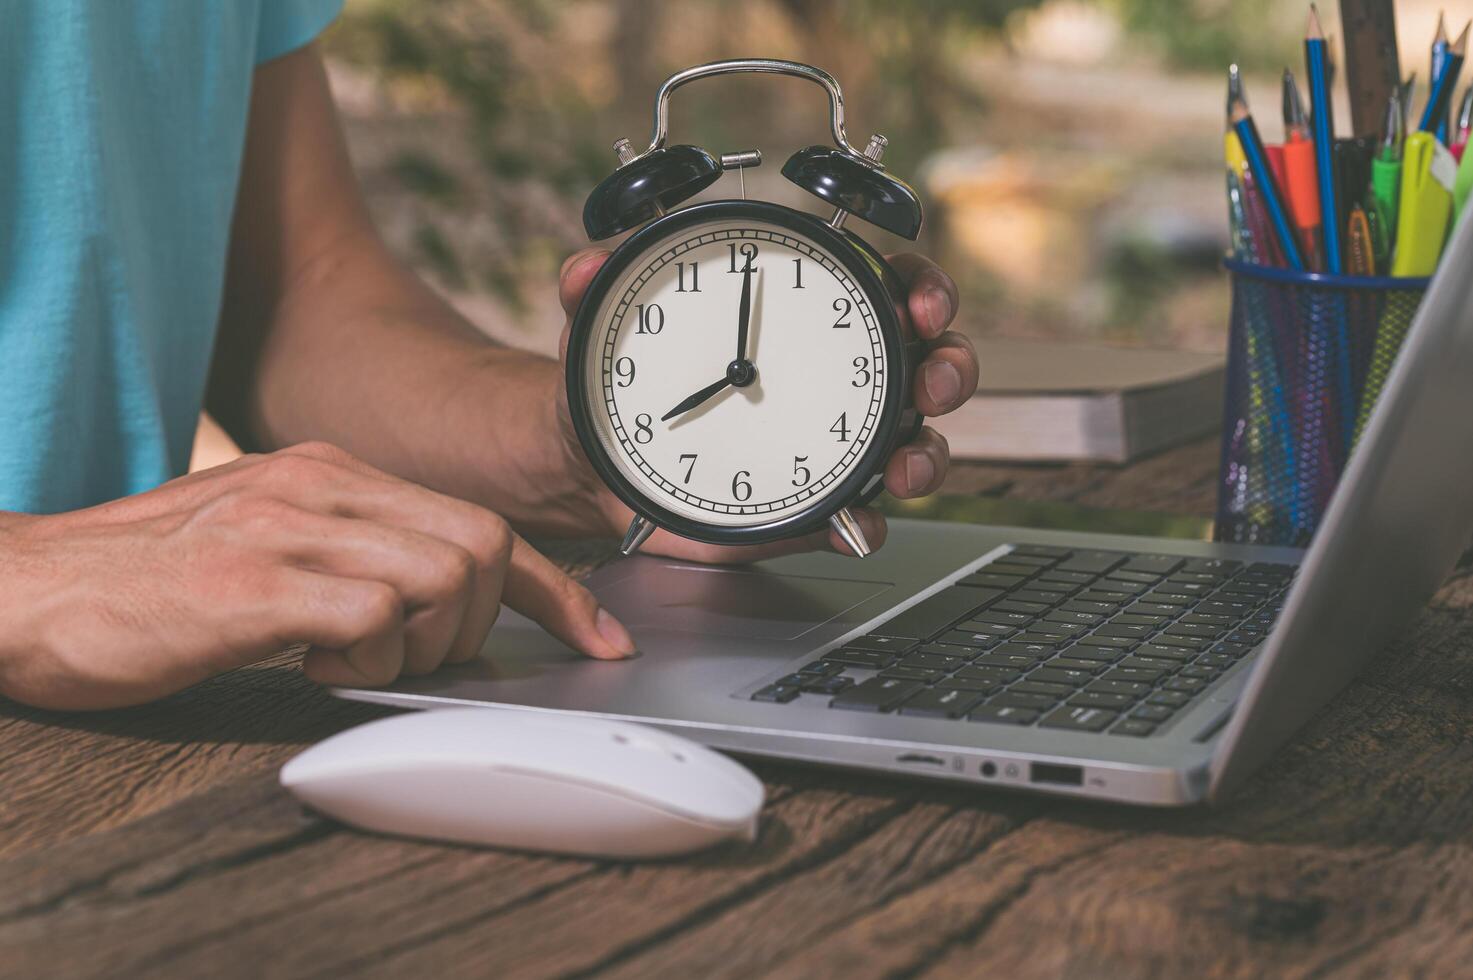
[
  {"x": 1316, "y": 55},
  {"x": 1263, "y": 178},
  {"x": 1438, "y": 59}
]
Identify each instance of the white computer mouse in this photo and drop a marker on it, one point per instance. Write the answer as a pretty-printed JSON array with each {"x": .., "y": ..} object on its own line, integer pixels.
[{"x": 568, "y": 784}]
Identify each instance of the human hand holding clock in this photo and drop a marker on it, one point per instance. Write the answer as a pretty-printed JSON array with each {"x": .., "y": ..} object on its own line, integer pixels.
[{"x": 726, "y": 427}]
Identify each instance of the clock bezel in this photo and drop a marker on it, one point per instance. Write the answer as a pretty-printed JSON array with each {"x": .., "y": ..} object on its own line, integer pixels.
[{"x": 871, "y": 273}]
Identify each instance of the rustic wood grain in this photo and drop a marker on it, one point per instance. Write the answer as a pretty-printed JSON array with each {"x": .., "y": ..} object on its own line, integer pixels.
[{"x": 155, "y": 841}]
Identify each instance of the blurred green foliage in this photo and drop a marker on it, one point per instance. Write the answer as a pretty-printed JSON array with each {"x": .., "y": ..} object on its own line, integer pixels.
[{"x": 1208, "y": 35}]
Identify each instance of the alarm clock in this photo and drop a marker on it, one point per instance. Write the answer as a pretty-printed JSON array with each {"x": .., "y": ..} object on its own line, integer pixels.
[{"x": 737, "y": 371}]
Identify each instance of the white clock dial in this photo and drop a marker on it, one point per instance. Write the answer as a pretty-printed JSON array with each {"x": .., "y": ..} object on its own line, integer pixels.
[{"x": 667, "y": 331}]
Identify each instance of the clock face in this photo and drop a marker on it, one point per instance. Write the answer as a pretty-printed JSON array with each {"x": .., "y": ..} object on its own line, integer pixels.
[{"x": 724, "y": 436}]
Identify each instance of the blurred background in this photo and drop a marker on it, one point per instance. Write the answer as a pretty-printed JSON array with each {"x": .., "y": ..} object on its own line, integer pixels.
[{"x": 1069, "y": 153}]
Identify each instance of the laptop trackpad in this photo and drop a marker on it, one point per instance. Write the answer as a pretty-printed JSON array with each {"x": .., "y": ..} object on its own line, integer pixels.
[{"x": 746, "y": 602}]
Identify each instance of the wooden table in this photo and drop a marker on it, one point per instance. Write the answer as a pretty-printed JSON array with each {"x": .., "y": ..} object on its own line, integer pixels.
[{"x": 155, "y": 842}]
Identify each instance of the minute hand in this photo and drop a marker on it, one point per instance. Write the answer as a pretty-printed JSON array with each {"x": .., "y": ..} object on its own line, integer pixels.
[
  {"x": 700, "y": 397},
  {"x": 744, "y": 312}
]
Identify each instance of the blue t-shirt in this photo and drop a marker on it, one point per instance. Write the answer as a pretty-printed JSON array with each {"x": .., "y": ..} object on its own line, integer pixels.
[{"x": 122, "y": 124}]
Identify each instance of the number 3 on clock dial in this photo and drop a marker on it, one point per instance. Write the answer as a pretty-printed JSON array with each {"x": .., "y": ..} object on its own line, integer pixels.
[{"x": 757, "y": 449}]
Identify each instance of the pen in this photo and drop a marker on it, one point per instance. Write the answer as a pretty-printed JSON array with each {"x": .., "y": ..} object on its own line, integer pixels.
[
  {"x": 1299, "y": 174},
  {"x": 1316, "y": 55},
  {"x": 1263, "y": 179},
  {"x": 1465, "y": 123},
  {"x": 1437, "y": 62},
  {"x": 1441, "y": 93},
  {"x": 1386, "y": 181}
]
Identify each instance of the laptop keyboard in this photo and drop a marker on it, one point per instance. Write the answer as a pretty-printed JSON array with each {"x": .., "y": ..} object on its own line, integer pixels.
[{"x": 1093, "y": 641}]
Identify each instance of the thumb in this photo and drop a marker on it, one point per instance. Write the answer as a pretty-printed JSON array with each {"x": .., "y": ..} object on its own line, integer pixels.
[
  {"x": 577, "y": 272},
  {"x": 539, "y": 590}
]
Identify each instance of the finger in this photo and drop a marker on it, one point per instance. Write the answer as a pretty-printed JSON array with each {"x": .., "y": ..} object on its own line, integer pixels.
[
  {"x": 433, "y": 578},
  {"x": 577, "y": 272},
  {"x": 538, "y": 589},
  {"x": 355, "y": 628},
  {"x": 947, "y": 378},
  {"x": 919, "y": 467},
  {"x": 933, "y": 301}
]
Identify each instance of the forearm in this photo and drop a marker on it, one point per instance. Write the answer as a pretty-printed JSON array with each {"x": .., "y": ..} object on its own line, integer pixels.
[{"x": 361, "y": 354}]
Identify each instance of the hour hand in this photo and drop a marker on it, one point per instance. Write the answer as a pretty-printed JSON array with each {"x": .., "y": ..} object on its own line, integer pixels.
[{"x": 699, "y": 398}]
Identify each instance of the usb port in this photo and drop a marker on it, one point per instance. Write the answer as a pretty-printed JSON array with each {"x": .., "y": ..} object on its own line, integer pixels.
[{"x": 1043, "y": 772}]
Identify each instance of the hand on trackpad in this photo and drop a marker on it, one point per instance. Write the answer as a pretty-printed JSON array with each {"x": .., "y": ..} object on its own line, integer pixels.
[{"x": 746, "y": 602}]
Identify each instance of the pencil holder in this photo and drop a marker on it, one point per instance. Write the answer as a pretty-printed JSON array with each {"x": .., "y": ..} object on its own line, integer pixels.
[{"x": 1307, "y": 356}]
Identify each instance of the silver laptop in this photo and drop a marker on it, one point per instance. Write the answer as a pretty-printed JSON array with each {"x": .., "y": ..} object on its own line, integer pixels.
[{"x": 1135, "y": 669}]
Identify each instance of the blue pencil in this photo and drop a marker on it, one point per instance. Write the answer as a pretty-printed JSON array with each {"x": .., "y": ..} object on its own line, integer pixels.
[
  {"x": 1263, "y": 176},
  {"x": 1434, "y": 117},
  {"x": 1317, "y": 63}
]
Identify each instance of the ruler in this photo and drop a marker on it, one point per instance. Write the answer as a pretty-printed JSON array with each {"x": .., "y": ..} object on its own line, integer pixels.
[{"x": 1372, "y": 72}]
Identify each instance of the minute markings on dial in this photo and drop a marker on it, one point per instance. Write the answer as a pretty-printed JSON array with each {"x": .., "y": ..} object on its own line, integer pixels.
[{"x": 649, "y": 458}]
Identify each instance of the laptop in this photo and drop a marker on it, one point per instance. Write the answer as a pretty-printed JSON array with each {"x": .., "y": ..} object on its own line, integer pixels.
[{"x": 1135, "y": 669}]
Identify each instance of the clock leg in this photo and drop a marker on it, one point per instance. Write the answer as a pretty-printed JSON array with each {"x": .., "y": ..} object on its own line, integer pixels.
[
  {"x": 639, "y": 531},
  {"x": 849, "y": 530}
]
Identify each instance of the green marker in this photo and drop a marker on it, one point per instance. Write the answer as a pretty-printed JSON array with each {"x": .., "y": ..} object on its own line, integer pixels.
[{"x": 1386, "y": 182}]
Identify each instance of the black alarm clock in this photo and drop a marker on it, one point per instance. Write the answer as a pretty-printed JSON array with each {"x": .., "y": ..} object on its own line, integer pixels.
[{"x": 737, "y": 371}]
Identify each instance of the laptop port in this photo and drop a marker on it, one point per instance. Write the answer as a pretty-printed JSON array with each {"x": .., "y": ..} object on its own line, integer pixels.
[
  {"x": 914, "y": 758},
  {"x": 1043, "y": 772}
]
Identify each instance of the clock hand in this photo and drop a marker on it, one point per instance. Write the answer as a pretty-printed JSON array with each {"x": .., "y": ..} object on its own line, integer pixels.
[
  {"x": 699, "y": 398},
  {"x": 744, "y": 312}
]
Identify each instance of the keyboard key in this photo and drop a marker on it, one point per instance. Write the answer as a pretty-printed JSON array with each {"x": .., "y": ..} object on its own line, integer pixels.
[
  {"x": 941, "y": 703},
  {"x": 1194, "y": 630},
  {"x": 913, "y": 674},
  {"x": 1136, "y": 619},
  {"x": 932, "y": 661},
  {"x": 792, "y": 680},
  {"x": 1016, "y": 557},
  {"x": 1155, "y": 564},
  {"x": 1186, "y": 643},
  {"x": 1198, "y": 671},
  {"x": 1103, "y": 654},
  {"x": 1100, "y": 595},
  {"x": 1112, "y": 584},
  {"x": 1034, "y": 702},
  {"x": 1003, "y": 715},
  {"x": 1203, "y": 577},
  {"x": 1133, "y": 726},
  {"x": 1156, "y": 713},
  {"x": 1118, "y": 642},
  {"x": 880, "y": 644},
  {"x": 1098, "y": 608},
  {"x": 1079, "y": 719},
  {"x": 1126, "y": 575},
  {"x": 1198, "y": 618},
  {"x": 1216, "y": 566},
  {"x": 1055, "y": 675},
  {"x": 1027, "y": 649},
  {"x": 1128, "y": 630},
  {"x": 1016, "y": 620},
  {"x": 1152, "y": 609},
  {"x": 1032, "y": 609},
  {"x": 1096, "y": 562},
  {"x": 1139, "y": 675},
  {"x": 1167, "y": 598},
  {"x": 1151, "y": 663},
  {"x": 1232, "y": 649},
  {"x": 1133, "y": 688},
  {"x": 1072, "y": 578},
  {"x": 1041, "y": 550},
  {"x": 821, "y": 668},
  {"x": 826, "y": 685},
  {"x": 935, "y": 613},
  {"x": 981, "y": 639},
  {"x": 1008, "y": 661},
  {"x": 955, "y": 649},
  {"x": 1191, "y": 685},
  {"x": 1004, "y": 567},
  {"x": 1066, "y": 662},
  {"x": 1073, "y": 618},
  {"x": 1169, "y": 699},
  {"x": 1216, "y": 661},
  {"x": 1225, "y": 607},
  {"x": 1156, "y": 652},
  {"x": 1247, "y": 588},
  {"x": 860, "y": 658},
  {"x": 778, "y": 693},
  {"x": 1096, "y": 699},
  {"x": 1037, "y": 594},
  {"x": 1054, "y": 691},
  {"x": 991, "y": 580},
  {"x": 1052, "y": 634},
  {"x": 981, "y": 687},
  {"x": 997, "y": 675},
  {"x": 876, "y": 694},
  {"x": 1176, "y": 587}
]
